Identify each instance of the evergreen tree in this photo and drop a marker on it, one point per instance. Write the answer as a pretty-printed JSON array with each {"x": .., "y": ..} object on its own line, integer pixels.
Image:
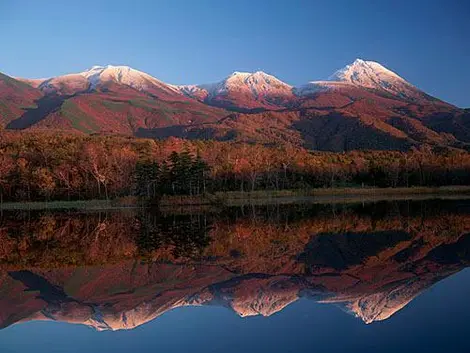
[
  {"x": 146, "y": 179},
  {"x": 199, "y": 173}
]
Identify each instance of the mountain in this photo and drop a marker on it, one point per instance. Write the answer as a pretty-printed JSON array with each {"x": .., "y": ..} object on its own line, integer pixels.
[
  {"x": 102, "y": 78},
  {"x": 15, "y": 97},
  {"x": 362, "y": 106},
  {"x": 370, "y": 74},
  {"x": 244, "y": 92},
  {"x": 110, "y": 99}
]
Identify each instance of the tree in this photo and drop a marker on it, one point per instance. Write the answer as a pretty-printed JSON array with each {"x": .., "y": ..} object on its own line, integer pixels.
[
  {"x": 96, "y": 162},
  {"x": 199, "y": 172},
  {"x": 147, "y": 179}
]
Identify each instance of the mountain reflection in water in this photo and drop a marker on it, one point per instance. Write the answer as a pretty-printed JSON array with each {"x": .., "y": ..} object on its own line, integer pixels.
[{"x": 119, "y": 270}]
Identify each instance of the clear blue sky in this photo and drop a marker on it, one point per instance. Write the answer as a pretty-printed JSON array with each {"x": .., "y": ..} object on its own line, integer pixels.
[{"x": 425, "y": 41}]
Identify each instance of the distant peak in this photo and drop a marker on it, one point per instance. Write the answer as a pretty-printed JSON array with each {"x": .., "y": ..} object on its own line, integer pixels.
[
  {"x": 366, "y": 73},
  {"x": 256, "y": 81},
  {"x": 120, "y": 74},
  {"x": 361, "y": 68},
  {"x": 371, "y": 75}
]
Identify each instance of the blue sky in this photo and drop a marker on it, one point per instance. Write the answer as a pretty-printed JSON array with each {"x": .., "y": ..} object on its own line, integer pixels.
[{"x": 426, "y": 42}]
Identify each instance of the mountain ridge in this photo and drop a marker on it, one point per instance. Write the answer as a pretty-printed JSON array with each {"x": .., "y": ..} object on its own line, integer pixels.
[
  {"x": 363, "y": 73},
  {"x": 362, "y": 106}
]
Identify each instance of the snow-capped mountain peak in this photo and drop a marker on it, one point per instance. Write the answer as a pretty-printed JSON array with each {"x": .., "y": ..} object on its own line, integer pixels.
[
  {"x": 94, "y": 77},
  {"x": 120, "y": 74},
  {"x": 253, "y": 77},
  {"x": 258, "y": 84},
  {"x": 368, "y": 74},
  {"x": 245, "y": 90}
]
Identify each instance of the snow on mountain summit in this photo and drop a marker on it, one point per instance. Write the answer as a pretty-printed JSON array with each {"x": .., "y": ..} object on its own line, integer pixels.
[
  {"x": 122, "y": 75},
  {"x": 245, "y": 89},
  {"x": 365, "y": 74},
  {"x": 97, "y": 76},
  {"x": 258, "y": 83}
]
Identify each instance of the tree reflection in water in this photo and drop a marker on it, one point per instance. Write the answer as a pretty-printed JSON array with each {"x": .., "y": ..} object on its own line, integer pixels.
[{"x": 129, "y": 267}]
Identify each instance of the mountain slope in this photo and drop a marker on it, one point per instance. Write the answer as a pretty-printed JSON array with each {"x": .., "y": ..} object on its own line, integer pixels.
[
  {"x": 15, "y": 98},
  {"x": 111, "y": 99},
  {"x": 370, "y": 74},
  {"x": 362, "y": 106},
  {"x": 101, "y": 78}
]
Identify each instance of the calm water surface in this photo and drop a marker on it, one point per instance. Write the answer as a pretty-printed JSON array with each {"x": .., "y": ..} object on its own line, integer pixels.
[{"x": 388, "y": 277}]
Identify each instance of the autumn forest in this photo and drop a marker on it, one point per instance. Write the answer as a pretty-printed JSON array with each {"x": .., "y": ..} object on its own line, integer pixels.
[{"x": 57, "y": 166}]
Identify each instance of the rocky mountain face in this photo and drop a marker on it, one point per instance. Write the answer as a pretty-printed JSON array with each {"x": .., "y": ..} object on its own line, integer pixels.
[{"x": 362, "y": 106}]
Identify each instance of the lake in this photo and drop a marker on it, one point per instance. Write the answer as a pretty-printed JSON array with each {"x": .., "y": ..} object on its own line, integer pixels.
[{"x": 366, "y": 277}]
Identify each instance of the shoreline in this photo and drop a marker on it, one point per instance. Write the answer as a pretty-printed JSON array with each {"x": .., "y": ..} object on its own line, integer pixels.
[{"x": 237, "y": 198}]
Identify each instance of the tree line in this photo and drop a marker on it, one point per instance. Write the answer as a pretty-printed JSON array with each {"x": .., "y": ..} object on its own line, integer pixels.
[{"x": 57, "y": 166}]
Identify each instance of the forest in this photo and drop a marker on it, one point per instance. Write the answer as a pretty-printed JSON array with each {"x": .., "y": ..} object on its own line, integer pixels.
[{"x": 57, "y": 166}]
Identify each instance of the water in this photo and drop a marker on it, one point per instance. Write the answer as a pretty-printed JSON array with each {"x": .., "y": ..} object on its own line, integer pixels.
[{"x": 382, "y": 277}]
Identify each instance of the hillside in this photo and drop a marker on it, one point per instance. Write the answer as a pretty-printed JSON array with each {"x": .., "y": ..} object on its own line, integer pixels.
[{"x": 362, "y": 106}]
